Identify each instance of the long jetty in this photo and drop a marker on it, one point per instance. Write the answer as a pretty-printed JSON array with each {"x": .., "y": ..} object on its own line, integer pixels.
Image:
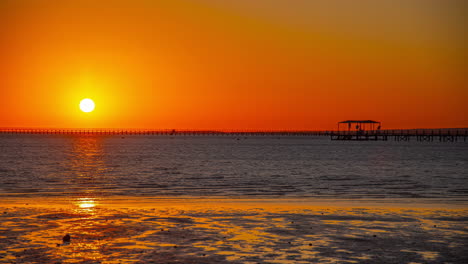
[
  {"x": 442, "y": 135},
  {"x": 172, "y": 132}
]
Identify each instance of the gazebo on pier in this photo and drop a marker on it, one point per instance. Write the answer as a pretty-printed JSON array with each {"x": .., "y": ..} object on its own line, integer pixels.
[
  {"x": 361, "y": 125},
  {"x": 359, "y": 130}
]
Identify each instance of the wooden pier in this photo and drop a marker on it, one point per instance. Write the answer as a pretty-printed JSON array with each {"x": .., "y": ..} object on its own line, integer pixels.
[
  {"x": 367, "y": 130},
  {"x": 167, "y": 132},
  {"x": 421, "y": 135}
]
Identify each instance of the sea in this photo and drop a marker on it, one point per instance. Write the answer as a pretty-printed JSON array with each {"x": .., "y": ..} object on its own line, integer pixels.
[{"x": 252, "y": 167}]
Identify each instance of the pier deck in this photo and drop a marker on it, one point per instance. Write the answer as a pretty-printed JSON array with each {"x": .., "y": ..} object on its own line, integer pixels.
[
  {"x": 428, "y": 135},
  {"x": 442, "y": 135}
]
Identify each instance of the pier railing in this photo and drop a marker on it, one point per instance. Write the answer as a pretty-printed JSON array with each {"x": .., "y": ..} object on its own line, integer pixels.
[
  {"x": 445, "y": 135},
  {"x": 173, "y": 132}
]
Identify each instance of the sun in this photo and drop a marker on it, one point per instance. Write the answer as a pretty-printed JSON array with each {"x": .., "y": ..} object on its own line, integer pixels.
[{"x": 87, "y": 105}]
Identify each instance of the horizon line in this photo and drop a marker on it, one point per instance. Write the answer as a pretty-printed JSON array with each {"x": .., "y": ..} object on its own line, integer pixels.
[{"x": 20, "y": 129}]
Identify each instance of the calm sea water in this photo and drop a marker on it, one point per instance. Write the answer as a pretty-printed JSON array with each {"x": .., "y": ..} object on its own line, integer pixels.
[{"x": 226, "y": 166}]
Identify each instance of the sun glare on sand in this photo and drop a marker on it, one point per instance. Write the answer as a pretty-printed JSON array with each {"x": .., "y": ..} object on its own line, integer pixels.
[{"x": 87, "y": 105}]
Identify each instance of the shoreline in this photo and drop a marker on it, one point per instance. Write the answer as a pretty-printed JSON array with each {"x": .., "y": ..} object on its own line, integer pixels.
[{"x": 151, "y": 201}]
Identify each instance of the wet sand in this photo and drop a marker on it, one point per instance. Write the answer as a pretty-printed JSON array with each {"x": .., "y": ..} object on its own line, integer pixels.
[{"x": 230, "y": 231}]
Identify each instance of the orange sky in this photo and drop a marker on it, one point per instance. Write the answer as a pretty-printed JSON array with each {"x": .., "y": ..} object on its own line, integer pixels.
[{"x": 237, "y": 64}]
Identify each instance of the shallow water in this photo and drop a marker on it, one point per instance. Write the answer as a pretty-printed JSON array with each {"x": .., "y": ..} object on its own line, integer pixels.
[
  {"x": 226, "y": 166},
  {"x": 139, "y": 199}
]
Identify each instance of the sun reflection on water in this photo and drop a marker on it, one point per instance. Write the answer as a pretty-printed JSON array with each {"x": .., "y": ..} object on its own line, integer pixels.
[
  {"x": 87, "y": 164},
  {"x": 86, "y": 203},
  {"x": 88, "y": 172}
]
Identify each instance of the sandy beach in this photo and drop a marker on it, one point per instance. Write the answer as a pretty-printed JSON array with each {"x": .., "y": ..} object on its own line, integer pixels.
[
  {"x": 233, "y": 131},
  {"x": 229, "y": 231}
]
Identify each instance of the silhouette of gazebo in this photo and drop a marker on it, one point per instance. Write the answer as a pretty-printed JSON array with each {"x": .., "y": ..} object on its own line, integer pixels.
[{"x": 360, "y": 125}]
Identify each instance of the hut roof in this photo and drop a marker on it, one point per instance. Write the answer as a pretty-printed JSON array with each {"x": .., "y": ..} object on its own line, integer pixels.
[{"x": 360, "y": 121}]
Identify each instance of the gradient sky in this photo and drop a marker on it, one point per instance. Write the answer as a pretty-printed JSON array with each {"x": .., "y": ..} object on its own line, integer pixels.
[{"x": 233, "y": 64}]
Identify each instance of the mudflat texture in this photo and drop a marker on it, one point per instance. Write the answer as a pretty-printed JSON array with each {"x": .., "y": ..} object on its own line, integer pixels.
[{"x": 231, "y": 233}]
